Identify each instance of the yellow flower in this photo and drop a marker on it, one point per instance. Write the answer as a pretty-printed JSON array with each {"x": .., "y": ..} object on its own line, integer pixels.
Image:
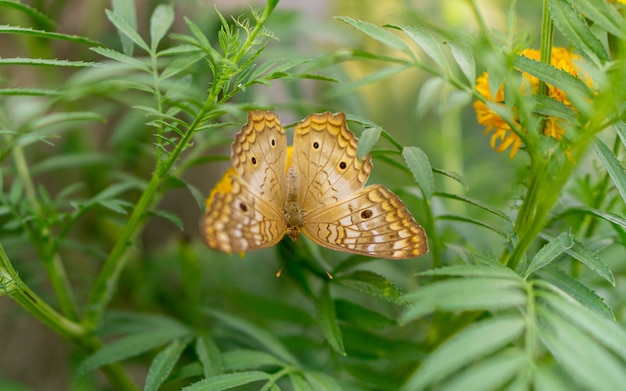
[{"x": 502, "y": 136}]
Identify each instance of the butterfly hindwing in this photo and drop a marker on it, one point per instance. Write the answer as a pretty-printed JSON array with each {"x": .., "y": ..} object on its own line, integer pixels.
[
  {"x": 372, "y": 221},
  {"x": 240, "y": 220},
  {"x": 324, "y": 156}
]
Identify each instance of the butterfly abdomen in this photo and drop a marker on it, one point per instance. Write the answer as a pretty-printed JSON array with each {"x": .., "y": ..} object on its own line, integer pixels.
[{"x": 293, "y": 212}]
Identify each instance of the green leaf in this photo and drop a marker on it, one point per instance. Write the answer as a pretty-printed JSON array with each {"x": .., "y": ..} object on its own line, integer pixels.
[
  {"x": 241, "y": 360},
  {"x": 464, "y": 294},
  {"x": 327, "y": 320},
  {"x": 122, "y": 58},
  {"x": 491, "y": 373},
  {"x": 464, "y": 348},
  {"x": 299, "y": 383},
  {"x": 368, "y": 139},
  {"x": 264, "y": 338},
  {"x": 579, "y": 356},
  {"x": 227, "y": 381},
  {"x": 604, "y": 15},
  {"x": 349, "y": 87},
  {"x": 209, "y": 356},
  {"x": 371, "y": 284},
  {"x": 576, "y": 30},
  {"x": 163, "y": 364},
  {"x": 160, "y": 22},
  {"x": 130, "y": 346},
  {"x": 492, "y": 271},
  {"x": 47, "y": 62},
  {"x": 478, "y": 203},
  {"x": 376, "y": 32},
  {"x": 612, "y": 165},
  {"x": 36, "y": 17},
  {"x": 548, "y": 253},
  {"x": 464, "y": 57},
  {"x": 584, "y": 255},
  {"x": 321, "y": 382},
  {"x": 125, "y": 9},
  {"x": 171, "y": 217},
  {"x": 125, "y": 28},
  {"x": 610, "y": 333},
  {"x": 4, "y": 29},
  {"x": 181, "y": 64},
  {"x": 551, "y": 107},
  {"x": 426, "y": 42},
  {"x": 360, "y": 316},
  {"x": 561, "y": 282},
  {"x": 554, "y": 76},
  {"x": 418, "y": 163}
]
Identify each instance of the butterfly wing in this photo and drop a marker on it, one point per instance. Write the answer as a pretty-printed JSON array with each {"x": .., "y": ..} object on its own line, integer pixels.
[
  {"x": 259, "y": 156},
  {"x": 238, "y": 219},
  {"x": 324, "y": 157},
  {"x": 372, "y": 221},
  {"x": 244, "y": 211}
]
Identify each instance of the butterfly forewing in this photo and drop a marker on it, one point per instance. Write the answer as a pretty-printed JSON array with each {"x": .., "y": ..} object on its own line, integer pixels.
[
  {"x": 259, "y": 156},
  {"x": 324, "y": 156},
  {"x": 372, "y": 221}
]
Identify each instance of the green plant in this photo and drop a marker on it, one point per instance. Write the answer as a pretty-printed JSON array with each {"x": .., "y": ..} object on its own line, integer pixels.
[{"x": 515, "y": 310}]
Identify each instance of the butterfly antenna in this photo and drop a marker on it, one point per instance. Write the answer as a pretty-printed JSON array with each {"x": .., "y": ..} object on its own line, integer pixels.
[{"x": 279, "y": 272}]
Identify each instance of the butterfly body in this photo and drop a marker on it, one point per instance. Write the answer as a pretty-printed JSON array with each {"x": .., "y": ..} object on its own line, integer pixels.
[{"x": 320, "y": 193}]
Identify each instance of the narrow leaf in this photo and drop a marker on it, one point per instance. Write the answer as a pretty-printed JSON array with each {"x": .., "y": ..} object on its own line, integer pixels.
[
  {"x": 604, "y": 15},
  {"x": 478, "y": 203},
  {"x": 360, "y": 316},
  {"x": 476, "y": 341},
  {"x": 612, "y": 165},
  {"x": 584, "y": 255},
  {"x": 368, "y": 139},
  {"x": 320, "y": 381},
  {"x": 572, "y": 25},
  {"x": 426, "y": 42},
  {"x": 125, "y": 28},
  {"x": 209, "y": 356},
  {"x": 267, "y": 340},
  {"x": 160, "y": 22},
  {"x": 465, "y": 60},
  {"x": 242, "y": 360},
  {"x": 227, "y": 381},
  {"x": 371, "y": 284},
  {"x": 378, "y": 33},
  {"x": 327, "y": 319},
  {"x": 126, "y": 10},
  {"x": 550, "y": 252},
  {"x": 121, "y": 57},
  {"x": 418, "y": 163},
  {"x": 163, "y": 364}
]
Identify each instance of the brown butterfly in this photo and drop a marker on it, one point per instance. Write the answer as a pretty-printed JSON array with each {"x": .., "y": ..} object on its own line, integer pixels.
[{"x": 319, "y": 192}]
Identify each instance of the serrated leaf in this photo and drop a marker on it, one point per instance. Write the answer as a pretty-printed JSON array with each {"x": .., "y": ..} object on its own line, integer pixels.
[
  {"x": 126, "y": 10},
  {"x": 418, "y": 163},
  {"x": 548, "y": 253},
  {"x": 491, "y": 373},
  {"x": 575, "y": 29},
  {"x": 124, "y": 27},
  {"x": 209, "y": 356},
  {"x": 227, "y": 381},
  {"x": 551, "y": 107},
  {"x": 378, "y": 33},
  {"x": 163, "y": 364},
  {"x": 267, "y": 340},
  {"x": 16, "y": 30},
  {"x": 372, "y": 284},
  {"x": 464, "y": 58},
  {"x": 130, "y": 346},
  {"x": 612, "y": 165},
  {"x": 171, "y": 217},
  {"x": 327, "y": 320},
  {"x": 610, "y": 333},
  {"x": 368, "y": 139},
  {"x": 495, "y": 271},
  {"x": 426, "y": 42},
  {"x": 321, "y": 382},
  {"x": 585, "y": 360},
  {"x": 360, "y": 316},
  {"x": 122, "y": 58},
  {"x": 241, "y": 360},
  {"x": 47, "y": 62},
  {"x": 160, "y": 22},
  {"x": 476, "y": 341},
  {"x": 464, "y": 294},
  {"x": 604, "y": 15},
  {"x": 560, "y": 282},
  {"x": 181, "y": 64},
  {"x": 584, "y": 255}
]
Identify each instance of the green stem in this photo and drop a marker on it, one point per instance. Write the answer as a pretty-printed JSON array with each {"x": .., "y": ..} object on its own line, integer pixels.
[{"x": 547, "y": 35}]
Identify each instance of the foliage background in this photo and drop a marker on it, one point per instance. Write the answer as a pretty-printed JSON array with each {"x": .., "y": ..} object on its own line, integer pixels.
[{"x": 78, "y": 151}]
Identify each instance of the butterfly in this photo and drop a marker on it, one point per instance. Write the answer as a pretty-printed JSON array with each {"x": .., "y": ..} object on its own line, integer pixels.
[{"x": 315, "y": 187}]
